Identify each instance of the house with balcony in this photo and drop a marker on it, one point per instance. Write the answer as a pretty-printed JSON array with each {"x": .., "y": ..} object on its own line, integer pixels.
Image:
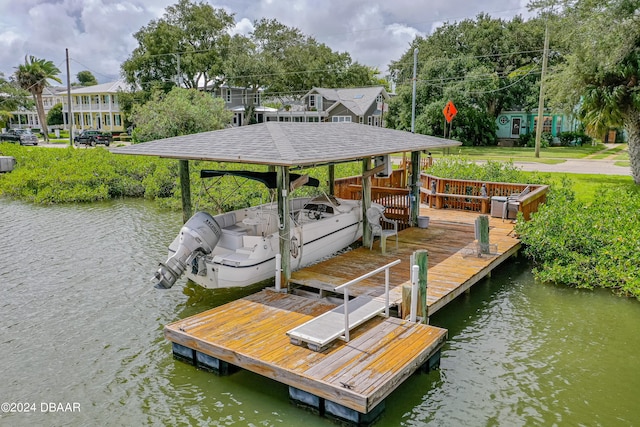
[{"x": 96, "y": 107}]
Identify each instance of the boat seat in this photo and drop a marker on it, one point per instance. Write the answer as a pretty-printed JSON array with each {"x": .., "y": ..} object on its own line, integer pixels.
[{"x": 231, "y": 232}]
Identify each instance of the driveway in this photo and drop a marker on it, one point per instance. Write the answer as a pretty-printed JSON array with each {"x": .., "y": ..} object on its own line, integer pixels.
[{"x": 604, "y": 167}]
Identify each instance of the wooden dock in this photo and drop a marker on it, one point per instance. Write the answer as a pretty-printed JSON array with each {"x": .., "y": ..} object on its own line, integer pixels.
[{"x": 346, "y": 380}]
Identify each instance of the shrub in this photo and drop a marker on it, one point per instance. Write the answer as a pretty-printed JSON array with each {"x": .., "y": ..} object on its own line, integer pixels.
[{"x": 586, "y": 245}]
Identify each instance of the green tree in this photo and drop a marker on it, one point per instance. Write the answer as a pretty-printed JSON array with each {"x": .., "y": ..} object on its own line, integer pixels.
[
  {"x": 601, "y": 74},
  {"x": 484, "y": 65},
  {"x": 12, "y": 97},
  {"x": 179, "y": 112},
  {"x": 86, "y": 78},
  {"x": 54, "y": 116},
  {"x": 34, "y": 76},
  {"x": 185, "y": 47}
]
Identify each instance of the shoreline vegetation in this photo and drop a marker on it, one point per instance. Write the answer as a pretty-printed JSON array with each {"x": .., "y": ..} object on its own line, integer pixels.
[{"x": 585, "y": 236}]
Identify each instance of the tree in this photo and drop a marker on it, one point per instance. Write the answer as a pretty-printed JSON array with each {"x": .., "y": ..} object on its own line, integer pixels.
[
  {"x": 54, "y": 117},
  {"x": 86, "y": 78},
  {"x": 12, "y": 97},
  {"x": 484, "y": 65},
  {"x": 34, "y": 76},
  {"x": 600, "y": 76},
  {"x": 186, "y": 47},
  {"x": 180, "y": 112}
]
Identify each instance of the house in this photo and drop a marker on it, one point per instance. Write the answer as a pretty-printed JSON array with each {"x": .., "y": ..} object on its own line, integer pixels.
[
  {"x": 512, "y": 124},
  {"x": 93, "y": 107},
  {"x": 365, "y": 105},
  {"x": 96, "y": 107},
  {"x": 29, "y": 118}
]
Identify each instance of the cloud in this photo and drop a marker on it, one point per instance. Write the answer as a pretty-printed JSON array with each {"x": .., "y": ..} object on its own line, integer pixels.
[{"x": 99, "y": 33}]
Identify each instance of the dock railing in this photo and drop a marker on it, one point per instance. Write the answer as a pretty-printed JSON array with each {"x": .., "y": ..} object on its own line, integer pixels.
[
  {"x": 440, "y": 193},
  {"x": 345, "y": 289}
]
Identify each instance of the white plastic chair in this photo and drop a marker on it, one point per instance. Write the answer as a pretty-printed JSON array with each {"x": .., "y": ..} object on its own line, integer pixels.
[{"x": 376, "y": 220}]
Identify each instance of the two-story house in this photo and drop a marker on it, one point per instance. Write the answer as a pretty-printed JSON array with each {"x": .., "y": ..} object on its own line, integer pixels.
[
  {"x": 365, "y": 105},
  {"x": 96, "y": 107}
]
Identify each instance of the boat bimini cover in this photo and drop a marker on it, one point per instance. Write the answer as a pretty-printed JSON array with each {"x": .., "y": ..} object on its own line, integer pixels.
[{"x": 270, "y": 179}]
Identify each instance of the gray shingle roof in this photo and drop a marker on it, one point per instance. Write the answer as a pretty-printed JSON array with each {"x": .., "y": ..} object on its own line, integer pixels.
[{"x": 288, "y": 144}]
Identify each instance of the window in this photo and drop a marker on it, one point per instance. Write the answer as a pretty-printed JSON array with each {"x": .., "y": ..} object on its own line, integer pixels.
[
  {"x": 312, "y": 101},
  {"x": 379, "y": 99},
  {"x": 558, "y": 125},
  {"x": 107, "y": 120},
  {"x": 341, "y": 119},
  {"x": 227, "y": 95},
  {"x": 370, "y": 121},
  {"x": 256, "y": 98},
  {"x": 116, "y": 120},
  {"x": 546, "y": 124}
]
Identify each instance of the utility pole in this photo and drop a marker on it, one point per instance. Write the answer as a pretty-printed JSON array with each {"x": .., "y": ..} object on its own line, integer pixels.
[
  {"x": 545, "y": 54},
  {"x": 413, "y": 99},
  {"x": 69, "y": 112}
]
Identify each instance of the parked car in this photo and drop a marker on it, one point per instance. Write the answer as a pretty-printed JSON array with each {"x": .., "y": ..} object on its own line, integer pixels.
[
  {"x": 93, "y": 137},
  {"x": 22, "y": 136}
]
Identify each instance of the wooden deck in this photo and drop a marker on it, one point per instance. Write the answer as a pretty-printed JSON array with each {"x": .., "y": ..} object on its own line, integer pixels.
[
  {"x": 453, "y": 265},
  {"x": 251, "y": 332}
]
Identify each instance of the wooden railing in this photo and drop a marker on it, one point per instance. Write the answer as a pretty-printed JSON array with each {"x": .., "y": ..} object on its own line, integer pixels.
[
  {"x": 439, "y": 193},
  {"x": 461, "y": 194}
]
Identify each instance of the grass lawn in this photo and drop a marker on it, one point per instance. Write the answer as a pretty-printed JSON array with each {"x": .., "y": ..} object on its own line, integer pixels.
[
  {"x": 586, "y": 186},
  {"x": 550, "y": 155}
]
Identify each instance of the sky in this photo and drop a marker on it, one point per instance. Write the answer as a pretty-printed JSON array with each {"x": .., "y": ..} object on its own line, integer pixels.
[{"x": 99, "y": 33}]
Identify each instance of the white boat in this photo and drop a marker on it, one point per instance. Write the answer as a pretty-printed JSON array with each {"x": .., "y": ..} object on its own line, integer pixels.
[{"x": 239, "y": 248}]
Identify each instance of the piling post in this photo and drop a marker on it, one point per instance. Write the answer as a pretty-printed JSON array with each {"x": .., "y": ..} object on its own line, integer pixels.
[
  {"x": 482, "y": 234},
  {"x": 285, "y": 225},
  {"x": 422, "y": 260}
]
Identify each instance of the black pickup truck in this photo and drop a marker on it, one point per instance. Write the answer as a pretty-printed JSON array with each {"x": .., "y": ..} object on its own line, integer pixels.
[
  {"x": 21, "y": 136},
  {"x": 93, "y": 137}
]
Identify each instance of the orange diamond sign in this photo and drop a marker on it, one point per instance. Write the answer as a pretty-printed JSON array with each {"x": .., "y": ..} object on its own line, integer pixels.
[{"x": 449, "y": 111}]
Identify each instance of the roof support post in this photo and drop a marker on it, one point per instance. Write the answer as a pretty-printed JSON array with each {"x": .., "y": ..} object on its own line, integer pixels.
[
  {"x": 366, "y": 200},
  {"x": 185, "y": 187},
  {"x": 332, "y": 179},
  {"x": 415, "y": 188},
  {"x": 285, "y": 224}
]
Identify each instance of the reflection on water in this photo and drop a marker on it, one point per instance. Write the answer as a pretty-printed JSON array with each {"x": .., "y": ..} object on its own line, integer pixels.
[{"x": 80, "y": 322}]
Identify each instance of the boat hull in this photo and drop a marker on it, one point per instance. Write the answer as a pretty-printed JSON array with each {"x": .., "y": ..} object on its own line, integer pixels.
[{"x": 249, "y": 257}]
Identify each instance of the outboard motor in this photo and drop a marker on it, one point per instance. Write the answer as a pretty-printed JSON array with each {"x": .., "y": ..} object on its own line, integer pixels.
[{"x": 201, "y": 233}]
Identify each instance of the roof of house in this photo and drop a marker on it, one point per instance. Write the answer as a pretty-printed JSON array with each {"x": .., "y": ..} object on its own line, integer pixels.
[
  {"x": 288, "y": 144},
  {"x": 358, "y": 100},
  {"x": 111, "y": 87}
]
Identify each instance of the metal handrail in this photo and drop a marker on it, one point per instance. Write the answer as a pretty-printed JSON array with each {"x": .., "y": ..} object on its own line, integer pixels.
[{"x": 358, "y": 279}]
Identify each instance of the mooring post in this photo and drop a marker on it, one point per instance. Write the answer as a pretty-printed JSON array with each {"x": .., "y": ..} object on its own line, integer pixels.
[
  {"x": 185, "y": 187},
  {"x": 422, "y": 261},
  {"x": 482, "y": 234}
]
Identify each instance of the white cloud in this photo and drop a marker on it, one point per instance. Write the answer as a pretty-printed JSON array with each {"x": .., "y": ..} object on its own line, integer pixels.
[{"x": 99, "y": 33}]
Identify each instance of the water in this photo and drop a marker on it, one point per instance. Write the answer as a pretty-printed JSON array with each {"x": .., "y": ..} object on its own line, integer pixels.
[{"x": 81, "y": 324}]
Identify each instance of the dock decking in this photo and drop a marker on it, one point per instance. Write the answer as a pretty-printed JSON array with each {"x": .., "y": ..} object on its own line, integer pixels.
[{"x": 251, "y": 332}]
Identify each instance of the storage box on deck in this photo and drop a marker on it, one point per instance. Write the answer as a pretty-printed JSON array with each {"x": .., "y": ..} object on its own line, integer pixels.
[{"x": 497, "y": 208}]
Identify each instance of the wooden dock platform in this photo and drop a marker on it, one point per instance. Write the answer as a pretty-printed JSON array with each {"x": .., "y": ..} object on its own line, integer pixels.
[
  {"x": 454, "y": 265},
  {"x": 347, "y": 379}
]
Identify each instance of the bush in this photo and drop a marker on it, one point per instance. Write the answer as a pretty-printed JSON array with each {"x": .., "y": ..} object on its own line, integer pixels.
[
  {"x": 586, "y": 245},
  {"x": 574, "y": 138}
]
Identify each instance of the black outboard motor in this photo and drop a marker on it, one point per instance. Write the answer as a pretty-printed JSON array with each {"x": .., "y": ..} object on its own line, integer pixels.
[{"x": 200, "y": 234}]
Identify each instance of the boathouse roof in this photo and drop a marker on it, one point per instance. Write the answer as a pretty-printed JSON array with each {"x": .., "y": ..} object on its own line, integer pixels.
[{"x": 289, "y": 144}]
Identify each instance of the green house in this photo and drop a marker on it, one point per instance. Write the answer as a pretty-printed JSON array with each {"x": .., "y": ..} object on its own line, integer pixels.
[{"x": 512, "y": 124}]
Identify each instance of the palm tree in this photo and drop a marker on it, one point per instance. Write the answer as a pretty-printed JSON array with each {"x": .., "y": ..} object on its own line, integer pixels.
[{"x": 34, "y": 76}]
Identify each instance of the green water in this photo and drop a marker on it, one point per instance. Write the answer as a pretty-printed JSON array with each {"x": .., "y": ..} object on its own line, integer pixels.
[{"x": 81, "y": 323}]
